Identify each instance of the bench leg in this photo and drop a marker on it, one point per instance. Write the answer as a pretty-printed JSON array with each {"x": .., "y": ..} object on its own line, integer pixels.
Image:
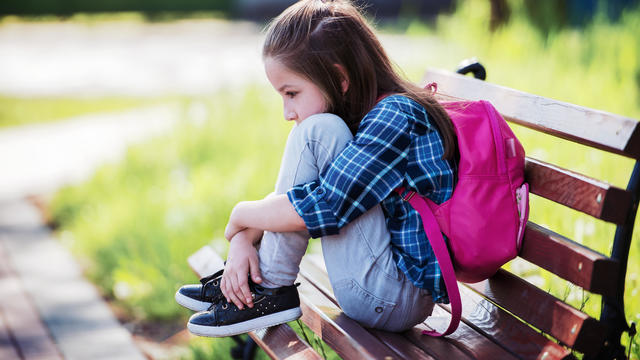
[
  {"x": 244, "y": 350},
  {"x": 613, "y": 315}
]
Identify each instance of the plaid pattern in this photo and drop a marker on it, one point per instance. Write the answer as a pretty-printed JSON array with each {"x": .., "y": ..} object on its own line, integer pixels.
[{"x": 395, "y": 145}]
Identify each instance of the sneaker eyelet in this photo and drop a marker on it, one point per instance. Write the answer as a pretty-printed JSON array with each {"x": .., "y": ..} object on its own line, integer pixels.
[
  {"x": 215, "y": 283},
  {"x": 225, "y": 306}
]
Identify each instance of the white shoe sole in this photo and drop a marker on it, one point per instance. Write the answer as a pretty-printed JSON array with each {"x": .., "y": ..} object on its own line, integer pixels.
[
  {"x": 246, "y": 326},
  {"x": 191, "y": 304}
]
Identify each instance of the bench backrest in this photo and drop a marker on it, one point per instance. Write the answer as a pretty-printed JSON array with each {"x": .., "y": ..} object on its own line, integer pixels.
[{"x": 580, "y": 265}]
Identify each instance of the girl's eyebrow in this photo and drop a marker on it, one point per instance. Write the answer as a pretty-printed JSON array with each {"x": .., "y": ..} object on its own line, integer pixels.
[{"x": 283, "y": 87}]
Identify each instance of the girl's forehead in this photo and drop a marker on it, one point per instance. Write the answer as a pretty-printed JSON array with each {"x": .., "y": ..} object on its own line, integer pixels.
[{"x": 277, "y": 71}]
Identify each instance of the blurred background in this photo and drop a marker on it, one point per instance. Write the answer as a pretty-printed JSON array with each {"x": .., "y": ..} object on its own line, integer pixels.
[{"x": 133, "y": 127}]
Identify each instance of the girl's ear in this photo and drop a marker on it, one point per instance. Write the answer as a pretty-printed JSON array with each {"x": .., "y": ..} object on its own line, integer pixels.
[{"x": 344, "y": 83}]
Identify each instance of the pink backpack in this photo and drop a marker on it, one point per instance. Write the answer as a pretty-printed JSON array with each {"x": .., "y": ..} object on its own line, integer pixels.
[{"x": 485, "y": 217}]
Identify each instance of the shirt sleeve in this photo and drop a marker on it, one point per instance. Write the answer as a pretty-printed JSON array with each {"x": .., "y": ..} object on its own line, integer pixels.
[{"x": 363, "y": 174}]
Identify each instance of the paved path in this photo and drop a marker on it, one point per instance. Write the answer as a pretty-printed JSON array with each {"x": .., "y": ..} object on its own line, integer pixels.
[
  {"x": 77, "y": 318},
  {"x": 38, "y": 159}
]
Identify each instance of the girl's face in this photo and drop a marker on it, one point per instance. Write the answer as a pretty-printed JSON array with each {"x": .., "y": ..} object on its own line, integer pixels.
[{"x": 301, "y": 97}]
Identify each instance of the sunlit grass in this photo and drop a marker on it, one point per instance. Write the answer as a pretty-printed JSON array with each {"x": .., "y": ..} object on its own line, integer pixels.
[{"x": 20, "y": 111}]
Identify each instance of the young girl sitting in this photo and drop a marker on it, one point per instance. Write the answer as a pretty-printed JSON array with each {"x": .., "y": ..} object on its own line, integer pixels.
[{"x": 360, "y": 132}]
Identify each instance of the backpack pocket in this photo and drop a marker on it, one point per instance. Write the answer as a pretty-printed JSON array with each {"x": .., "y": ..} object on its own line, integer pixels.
[{"x": 522, "y": 200}]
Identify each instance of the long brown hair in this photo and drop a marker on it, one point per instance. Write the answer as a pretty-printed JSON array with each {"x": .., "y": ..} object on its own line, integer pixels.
[{"x": 311, "y": 37}]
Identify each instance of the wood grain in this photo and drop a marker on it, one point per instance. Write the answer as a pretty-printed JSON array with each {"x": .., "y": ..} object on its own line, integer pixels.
[
  {"x": 579, "y": 192},
  {"x": 279, "y": 343},
  {"x": 571, "y": 261},
  {"x": 586, "y": 126},
  {"x": 401, "y": 345},
  {"x": 465, "y": 340},
  {"x": 344, "y": 335},
  {"x": 506, "y": 330},
  {"x": 543, "y": 311}
]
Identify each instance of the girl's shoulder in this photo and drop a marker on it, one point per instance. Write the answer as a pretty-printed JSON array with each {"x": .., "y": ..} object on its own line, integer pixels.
[
  {"x": 400, "y": 102},
  {"x": 397, "y": 103}
]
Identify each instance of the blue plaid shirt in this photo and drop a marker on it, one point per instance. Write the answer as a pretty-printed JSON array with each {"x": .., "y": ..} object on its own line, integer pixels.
[{"x": 395, "y": 145}]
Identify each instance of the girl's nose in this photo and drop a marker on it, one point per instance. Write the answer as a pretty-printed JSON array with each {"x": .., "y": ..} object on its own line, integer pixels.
[{"x": 290, "y": 115}]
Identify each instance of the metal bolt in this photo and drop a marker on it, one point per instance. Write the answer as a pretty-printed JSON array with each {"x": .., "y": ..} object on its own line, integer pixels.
[
  {"x": 544, "y": 355},
  {"x": 574, "y": 328},
  {"x": 580, "y": 266},
  {"x": 599, "y": 198}
]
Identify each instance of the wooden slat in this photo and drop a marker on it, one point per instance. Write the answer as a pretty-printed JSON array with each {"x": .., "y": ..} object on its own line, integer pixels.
[
  {"x": 543, "y": 311},
  {"x": 344, "y": 335},
  {"x": 312, "y": 266},
  {"x": 595, "y": 128},
  {"x": 590, "y": 196},
  {"x": 465, "y": 343},
  {"x": 465, "y": 340},
  {"x": 205, "y": 261},
  {"x": 571, "y": 261},
  {"x": 506, "y": 330},
  {"x": 401, "y": 345},
  {"x": 279, "y": 342}
]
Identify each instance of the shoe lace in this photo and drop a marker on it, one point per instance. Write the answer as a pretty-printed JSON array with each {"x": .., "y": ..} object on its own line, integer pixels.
[
  {"x": 206, "y": 279},
  {"x": 219, "y": 300},
  {"x": 209, "y": 281},
  {"x": 206, "y": 286}
]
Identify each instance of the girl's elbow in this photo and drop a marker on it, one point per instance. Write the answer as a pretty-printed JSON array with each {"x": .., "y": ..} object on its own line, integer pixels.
[{"x": 300, "y": 224}]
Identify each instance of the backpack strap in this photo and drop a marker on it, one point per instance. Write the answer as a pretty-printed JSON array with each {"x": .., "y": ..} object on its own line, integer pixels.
[{"x": 432, "y": 229}]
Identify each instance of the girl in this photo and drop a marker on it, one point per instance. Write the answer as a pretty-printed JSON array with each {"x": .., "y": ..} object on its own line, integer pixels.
[{"x": 349, "y": 149}]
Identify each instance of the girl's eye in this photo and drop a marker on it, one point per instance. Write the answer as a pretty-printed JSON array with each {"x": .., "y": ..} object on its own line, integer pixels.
[{"x": 291, "y": 94}]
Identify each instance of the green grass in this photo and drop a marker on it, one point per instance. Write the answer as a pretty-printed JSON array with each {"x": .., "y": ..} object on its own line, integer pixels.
[
  {"x": 135, "y": 223},
  {"x": 21, "y": 111}
]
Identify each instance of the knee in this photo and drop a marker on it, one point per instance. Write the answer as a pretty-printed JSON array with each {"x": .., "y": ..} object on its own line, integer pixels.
[{"x": 325, "y": 128}]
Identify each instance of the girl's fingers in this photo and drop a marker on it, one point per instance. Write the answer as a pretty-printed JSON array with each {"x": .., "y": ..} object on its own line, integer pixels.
[
  {"x": 236, "y": 294},
  {"x": 223, "y": 287},
  {"x": 254, "y": 268},
  {"x": 244, "y": 291}
]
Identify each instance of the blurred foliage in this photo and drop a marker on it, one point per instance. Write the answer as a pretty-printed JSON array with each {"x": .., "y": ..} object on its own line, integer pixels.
[
  {"x": 68, "y": 7},
  {"x": 550, "y": 16},
  {"x": 135, "y": 223}
]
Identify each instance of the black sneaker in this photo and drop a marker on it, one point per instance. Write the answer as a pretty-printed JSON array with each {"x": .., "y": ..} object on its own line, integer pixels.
[
  {"x": 199, "y": 297},
  {"x": 270, "y": 307}
]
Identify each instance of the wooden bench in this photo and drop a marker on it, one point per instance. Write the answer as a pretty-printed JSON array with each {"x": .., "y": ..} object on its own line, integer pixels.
[{"x": 505, "y": 317}]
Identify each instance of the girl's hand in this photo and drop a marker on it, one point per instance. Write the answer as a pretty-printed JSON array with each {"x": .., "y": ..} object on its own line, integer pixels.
[{"x": 241, "y": 260}]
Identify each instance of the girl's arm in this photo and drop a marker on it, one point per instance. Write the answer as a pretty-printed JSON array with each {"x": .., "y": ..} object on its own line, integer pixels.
[{"x": 274, "y": 213}]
